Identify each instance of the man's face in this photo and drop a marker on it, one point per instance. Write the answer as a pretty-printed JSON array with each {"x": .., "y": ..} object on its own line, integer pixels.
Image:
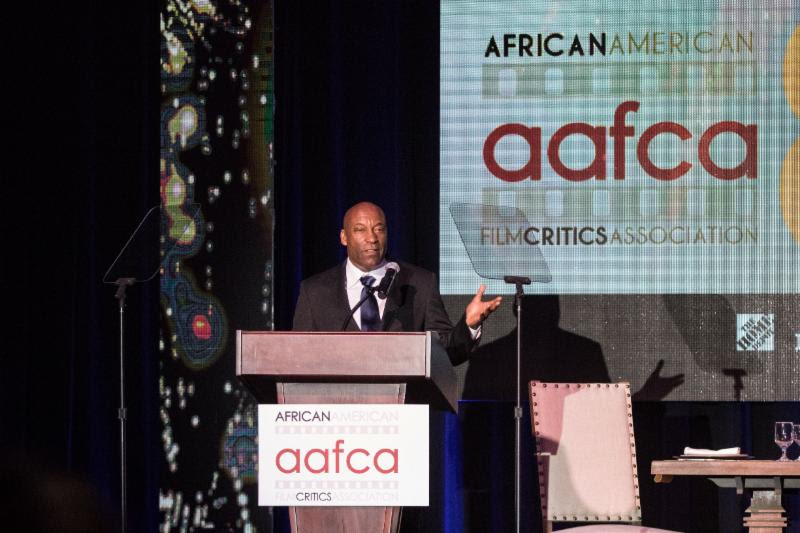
[{"x": 365, "y": 235}]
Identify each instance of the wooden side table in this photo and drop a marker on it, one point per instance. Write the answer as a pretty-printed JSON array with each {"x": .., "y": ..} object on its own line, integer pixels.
[{"x": 767, "y": 479}]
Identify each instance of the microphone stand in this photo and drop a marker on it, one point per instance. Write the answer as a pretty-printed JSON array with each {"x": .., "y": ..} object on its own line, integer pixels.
[
  {"x": 370, "y": 292},
  {"x": 518, "y": 281},
  {"x": 122, "y": 284}
]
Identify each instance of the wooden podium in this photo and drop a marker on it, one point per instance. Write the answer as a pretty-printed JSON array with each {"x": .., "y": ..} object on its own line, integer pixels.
[{"x": 358, "y": 368}]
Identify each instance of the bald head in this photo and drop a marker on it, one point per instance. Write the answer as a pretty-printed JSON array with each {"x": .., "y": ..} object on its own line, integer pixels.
[
  {"x": 365, "y": 235},
  {"x": 361, "y": 208}
]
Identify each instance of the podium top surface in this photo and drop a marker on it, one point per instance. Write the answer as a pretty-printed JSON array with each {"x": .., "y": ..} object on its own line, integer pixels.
[
  {"x": 333, "y": 355},
  {"x": 264, "y": 358}
]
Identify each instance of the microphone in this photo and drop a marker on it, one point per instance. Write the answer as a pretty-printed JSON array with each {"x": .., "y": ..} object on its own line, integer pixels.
[{"x": 388, "y": 279}]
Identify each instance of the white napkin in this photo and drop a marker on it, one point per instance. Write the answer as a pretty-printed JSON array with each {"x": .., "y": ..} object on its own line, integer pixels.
[{"x": 703, "y": 452}]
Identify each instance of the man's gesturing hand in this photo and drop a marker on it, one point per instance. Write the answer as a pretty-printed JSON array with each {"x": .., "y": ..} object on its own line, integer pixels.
[{"x": 478, "y": 310}]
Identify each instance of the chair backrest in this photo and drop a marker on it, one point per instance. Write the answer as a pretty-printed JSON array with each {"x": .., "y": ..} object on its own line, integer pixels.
[{"x": 586, "y": 454}]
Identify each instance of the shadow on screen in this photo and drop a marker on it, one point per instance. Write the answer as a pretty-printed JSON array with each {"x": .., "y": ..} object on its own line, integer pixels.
[
  {"x": 549, "y": 353},
  {"x": 696, "y": 317}
]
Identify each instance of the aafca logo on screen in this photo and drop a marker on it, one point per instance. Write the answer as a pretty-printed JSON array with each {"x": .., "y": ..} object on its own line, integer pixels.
[{"x": 755, "y": 332}]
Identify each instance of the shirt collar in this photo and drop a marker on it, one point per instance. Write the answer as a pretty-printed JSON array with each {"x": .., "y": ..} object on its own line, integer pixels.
[{"x": 354, "y": 274}]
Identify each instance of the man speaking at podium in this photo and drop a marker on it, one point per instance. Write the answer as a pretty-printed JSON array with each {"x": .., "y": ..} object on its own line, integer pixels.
[{"x": 397, "y": 297}]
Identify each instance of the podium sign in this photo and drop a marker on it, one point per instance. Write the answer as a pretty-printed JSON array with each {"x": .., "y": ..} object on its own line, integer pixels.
[
  {"x": 333, "y": 455},
  {"x": 352, "y": 376}
]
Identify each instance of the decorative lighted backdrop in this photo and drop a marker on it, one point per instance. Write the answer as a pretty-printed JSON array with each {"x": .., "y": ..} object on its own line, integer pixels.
[{"x": 216, "y": 186}]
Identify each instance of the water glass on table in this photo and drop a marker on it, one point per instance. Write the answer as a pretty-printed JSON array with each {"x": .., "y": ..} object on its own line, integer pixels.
[{"x": 784, "y": 435}]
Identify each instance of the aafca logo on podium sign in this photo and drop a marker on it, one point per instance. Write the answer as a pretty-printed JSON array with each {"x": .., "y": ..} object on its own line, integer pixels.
[
  {"x": 755, "y": 332},
  {"x": 343, "y": 455}
]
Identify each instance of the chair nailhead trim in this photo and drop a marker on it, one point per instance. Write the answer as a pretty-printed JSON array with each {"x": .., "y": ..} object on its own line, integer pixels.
[{"x": 540, "y": 460}]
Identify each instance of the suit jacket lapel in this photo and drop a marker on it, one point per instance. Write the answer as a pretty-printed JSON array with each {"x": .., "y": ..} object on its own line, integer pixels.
[
  {"x": 342, "y": 304},
  {"x": 390, "y": 320}
]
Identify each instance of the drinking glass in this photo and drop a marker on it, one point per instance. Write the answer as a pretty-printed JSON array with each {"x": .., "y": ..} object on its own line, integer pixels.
[
  {"x": 784, "y": 434},
  {"x": 797, "y": 438}
]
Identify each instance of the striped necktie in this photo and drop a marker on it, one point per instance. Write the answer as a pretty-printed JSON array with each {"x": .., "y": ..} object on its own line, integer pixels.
[{"x": 370, "y": 316}]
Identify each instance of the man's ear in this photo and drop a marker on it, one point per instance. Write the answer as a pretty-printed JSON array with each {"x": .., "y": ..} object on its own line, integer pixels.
[{"x": 342, "y": 237}]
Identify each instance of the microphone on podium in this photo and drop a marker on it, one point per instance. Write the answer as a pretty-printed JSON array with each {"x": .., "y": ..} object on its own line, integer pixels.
[{"x": 388, "y": 279}]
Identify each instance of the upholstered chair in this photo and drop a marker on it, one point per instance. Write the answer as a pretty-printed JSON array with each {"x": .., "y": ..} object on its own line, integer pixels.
[{"x": 586, "y": 456}]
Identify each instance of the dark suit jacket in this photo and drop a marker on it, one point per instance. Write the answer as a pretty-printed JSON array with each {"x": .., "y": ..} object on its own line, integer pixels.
[{"x": 413, "y": 304}]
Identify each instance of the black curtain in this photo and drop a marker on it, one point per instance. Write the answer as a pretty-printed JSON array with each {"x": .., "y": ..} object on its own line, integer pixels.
[
  {"x": 81, "y": 173},
  {"x": 357, "y": 119}
]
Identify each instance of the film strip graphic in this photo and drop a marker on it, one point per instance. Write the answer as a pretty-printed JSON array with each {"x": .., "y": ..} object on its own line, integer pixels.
[
  {"x": 632, "y": 204},
  {"x": 621, "y": 79},
  {"x": 309, "y": 484},
  {"x": 338, "y": 430}
]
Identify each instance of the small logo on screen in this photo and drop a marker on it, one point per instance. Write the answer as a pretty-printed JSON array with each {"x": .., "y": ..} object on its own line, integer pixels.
[{"x": 755, "y": 332}]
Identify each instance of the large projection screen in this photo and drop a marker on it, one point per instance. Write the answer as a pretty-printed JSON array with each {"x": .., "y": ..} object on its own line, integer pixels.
[{"x": 640, "y": 161}]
